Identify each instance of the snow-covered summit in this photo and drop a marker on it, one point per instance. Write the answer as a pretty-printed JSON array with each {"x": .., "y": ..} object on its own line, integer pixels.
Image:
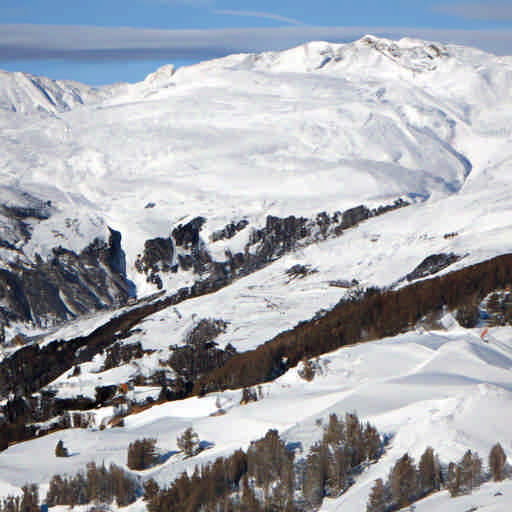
[
  {"x": 370, "y": 51},
  {"x": 161, "y": 76}
]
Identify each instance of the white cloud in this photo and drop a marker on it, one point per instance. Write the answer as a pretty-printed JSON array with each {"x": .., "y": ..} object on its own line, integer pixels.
[
  {"x": 87, "y": 42},
  {"x": 257, "y": 14}
]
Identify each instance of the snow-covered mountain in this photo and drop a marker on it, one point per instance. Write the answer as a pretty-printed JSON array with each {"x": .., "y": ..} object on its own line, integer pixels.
[
  {"x": 29, "y": 94},
  {"x": 278, "y": 183},
  {"x": 272, "y": 134}
]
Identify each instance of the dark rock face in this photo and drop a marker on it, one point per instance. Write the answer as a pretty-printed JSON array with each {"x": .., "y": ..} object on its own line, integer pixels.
[
  {"x": 432, "y": 264},
  {"x": 157, "y": 256},
  {"x": 207, "y": 329},
  {"x": 229, "y": 231},
  {"x": 187, "y": 236},
  {"x": 354, "y": 215},
  {"x": 66, "y": 284},
  {"x": 119, "y": 354},
  {"x": 299, "y": 271},
  {"x": 278, "y": 237},
  {"x": 15, "y": 217}
]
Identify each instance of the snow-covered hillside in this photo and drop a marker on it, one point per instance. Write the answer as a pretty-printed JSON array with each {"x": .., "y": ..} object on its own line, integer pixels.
[
  {"x": 29, "y": 94},
  {"x": 252, "y": 135},
  {"x": 193, "y": 175},
  {"x": 443, "y": 388}
]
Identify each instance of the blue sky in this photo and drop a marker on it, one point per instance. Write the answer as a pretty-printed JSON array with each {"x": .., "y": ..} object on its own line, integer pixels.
[{"x": 104, "y": 41}]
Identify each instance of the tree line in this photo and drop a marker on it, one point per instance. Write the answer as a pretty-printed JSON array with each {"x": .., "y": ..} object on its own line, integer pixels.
[
  {"x": 408, "y": 483},
  {"x": 267, "y": 477},
  {"x": 97, "y": 483},
  {"x": 360, "y": 317},
  {"x": 370, "y": 315}
]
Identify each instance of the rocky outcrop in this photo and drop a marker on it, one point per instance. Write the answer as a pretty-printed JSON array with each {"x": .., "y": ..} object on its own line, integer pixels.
[
  {"x": 354, "y": 215},
  {"x": 277, "y": 237},
  {"x": 187, "y": 236},
  {"x": 432, "y": 264},
  {"x": 16, "y": 213},
  {"x": 65, "y": 285},
  {"x": 157, "y": 257},
  {"x": 229, "y": 231}
]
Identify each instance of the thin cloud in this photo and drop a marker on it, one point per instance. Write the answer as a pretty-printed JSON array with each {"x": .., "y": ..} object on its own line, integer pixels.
[
  {"x": 490, "y": 11},
  {"x": 79, "y": 43},
  {"x": 191, "y": 3},
  {"x": 257, "y": 14}
]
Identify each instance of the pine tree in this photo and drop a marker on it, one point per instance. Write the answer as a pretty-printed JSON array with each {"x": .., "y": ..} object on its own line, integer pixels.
[
  {"x": 151, "y": 489},
  {"x": 404, "y": 481},
  {"x": 60, "y": 450},
  {"x": 142, "y": 454},
  {"x": 337, "y": 469},
  {"x": 372, "y": 442},
  {"x": 476, "y": 470},
  {"x": 334, "y": 432},
  {"x": 354, "y": 439},
  {"x": 378, "y": 500},
  {"x": 429, "y": 472},
  {"x": 248, "y": 502},
  {"x": 453, "y": 479},
  {"x": 188, "y": 442},
  {"x": 315, "y": 477},
  {"x": 29, "y": 498},
  {"x": 497, "y": 460},
  {"x": 470, "y": 468}
]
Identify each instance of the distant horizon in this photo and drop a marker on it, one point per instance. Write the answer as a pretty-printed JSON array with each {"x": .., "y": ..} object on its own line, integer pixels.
[
  {"x": 109, "y": 71},
  {"x": 124, "y": 40},
  {"x": 93, "y": 73}
]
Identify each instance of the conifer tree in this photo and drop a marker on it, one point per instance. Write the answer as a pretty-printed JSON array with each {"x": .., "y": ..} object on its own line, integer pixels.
[
  {"x": 372, "y": 442},
  {"x": 60, "y": 450},
  {"x": 378, "y": 500},
  {"x": 315, "y": 477},
  {"x": 453, "y": 479},
  {"x": 470, "y": 468},
  {"x": 29, "y": 498},
  {"x": 142, "y": 454},
  {"x": 188, "y": 442},
  {"x": 497, "y": 460},
  {"x": 429, "y": 472},
  {"x": 404, "y": 481}
]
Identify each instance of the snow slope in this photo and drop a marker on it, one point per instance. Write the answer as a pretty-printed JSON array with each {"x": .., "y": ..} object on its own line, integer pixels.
[
  {"x": 419, "y": 388},
  {"x": 29, "y": 94},
  {"x": 318, "y": 127},
  {"x": 321, "y": 127}
]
